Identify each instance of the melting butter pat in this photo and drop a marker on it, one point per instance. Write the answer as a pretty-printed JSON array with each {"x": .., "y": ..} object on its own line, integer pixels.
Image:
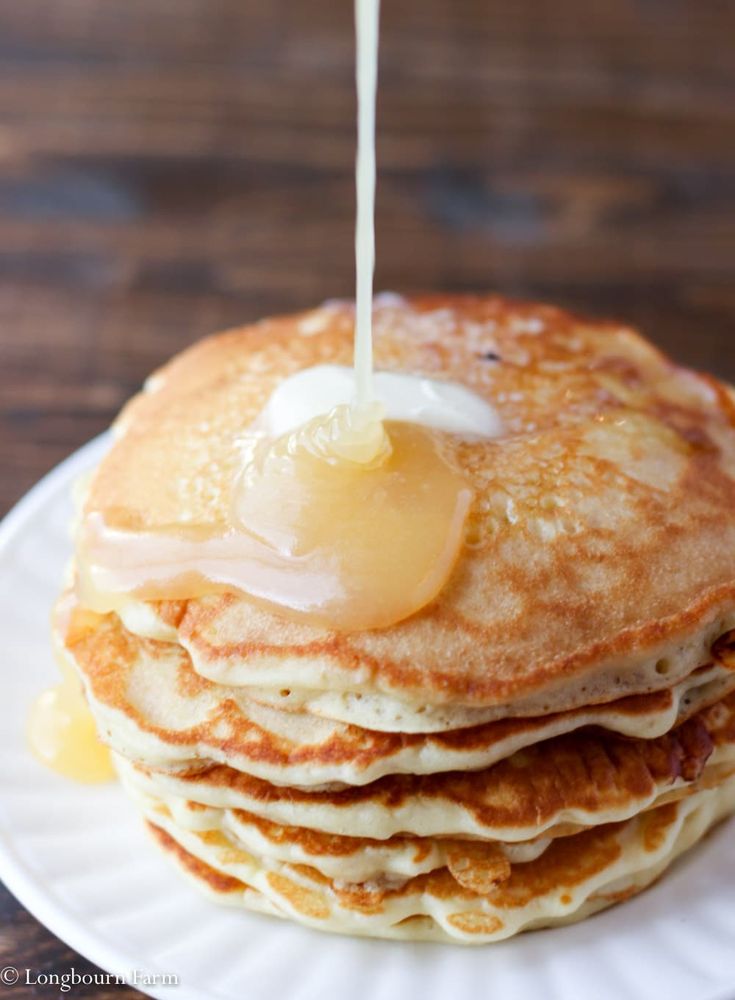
[{"x": 417, "y": 399}]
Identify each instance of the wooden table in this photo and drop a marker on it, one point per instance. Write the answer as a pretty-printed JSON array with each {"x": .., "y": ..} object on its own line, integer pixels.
[{"x": 170, "y": 168}]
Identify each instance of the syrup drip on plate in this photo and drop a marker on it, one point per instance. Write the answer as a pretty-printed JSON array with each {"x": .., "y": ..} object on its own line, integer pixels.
[{"x": 62, "y": 734}]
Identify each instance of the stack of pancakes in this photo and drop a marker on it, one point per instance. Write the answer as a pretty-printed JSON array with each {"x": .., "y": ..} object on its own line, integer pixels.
[{"x": 541, "y": 741}]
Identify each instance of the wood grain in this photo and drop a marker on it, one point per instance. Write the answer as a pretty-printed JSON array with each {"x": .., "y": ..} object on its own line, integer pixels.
[{"x": 170, "y": 168}]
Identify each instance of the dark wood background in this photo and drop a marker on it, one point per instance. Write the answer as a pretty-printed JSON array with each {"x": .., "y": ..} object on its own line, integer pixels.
[{"x": 168, "y": 167}]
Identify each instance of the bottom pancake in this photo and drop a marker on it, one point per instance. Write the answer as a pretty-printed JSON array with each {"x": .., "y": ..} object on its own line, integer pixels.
[{"x": 574, "y": 877}]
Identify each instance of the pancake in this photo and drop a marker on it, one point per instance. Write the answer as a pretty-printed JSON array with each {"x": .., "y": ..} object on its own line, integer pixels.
[
  {"x": 572, "y": 879},
  {"x": 382, "y": 713},
  {"x": 154, "y": 708},
  {"x": 549, "y": 789},
  {"x": 346, "y": 859},
  {"x": 599, "y": 558}
]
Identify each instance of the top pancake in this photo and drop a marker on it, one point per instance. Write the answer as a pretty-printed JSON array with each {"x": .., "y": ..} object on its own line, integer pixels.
[{"x": 601, "y": 546}]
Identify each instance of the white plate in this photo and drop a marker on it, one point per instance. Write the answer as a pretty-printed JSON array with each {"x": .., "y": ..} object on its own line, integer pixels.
[{"x": 77, "y": 857}]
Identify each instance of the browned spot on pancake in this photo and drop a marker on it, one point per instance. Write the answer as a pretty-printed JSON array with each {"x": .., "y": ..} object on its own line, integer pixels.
[
  {"x": 305, "y": 901},
  {"x": 189, "y": 684},
  {"x": 319, "y": 844},
  {"x": 422, "y": 849},
  {"x": 565, "y": 864},
  {"x": 617, "y": 897},
  {"x": 360, "y": 897},
  {"x": 81, "y": 624},
  {"x": 477, "y": 867},
  {"x": 713, "y": 776},
  {"x": 417, "y": 922},
  {"x": 212, "y": 837},
  {"x": 227, "y": 853},
  {"x": 720, "y": 721},
  {"x": 565, "y": 899},
  {"x": 702, "y": 669},
  {"x": 215, "y": 880},
  {"x": 310, "y": 874},
  {"x": 475, "y": 923},
  {"x": 723, "y": 651},
  {"x": 171, "y": 612},
  {"x": 196, "y": 806},
  {"x": 104, "y": 651},
  {"x": 311, "y": 841},
  {"x": 655, "y": 824}
]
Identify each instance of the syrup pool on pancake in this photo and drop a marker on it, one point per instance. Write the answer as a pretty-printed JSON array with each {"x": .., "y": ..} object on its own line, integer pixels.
[{"x": 347, "y": 513}]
